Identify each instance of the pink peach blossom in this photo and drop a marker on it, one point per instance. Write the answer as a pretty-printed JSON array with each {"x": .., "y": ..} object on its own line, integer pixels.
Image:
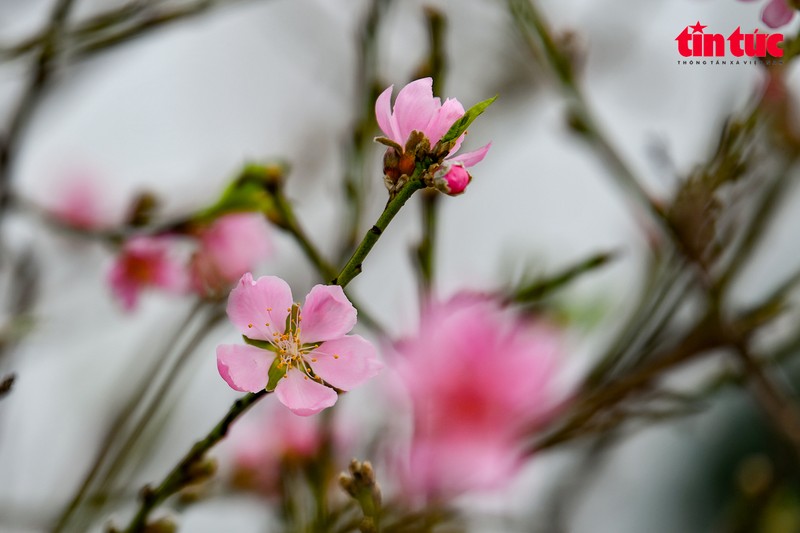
[
  {"x": 229, "y": 247},
  {"x": 267, "y": 442},
  {"x": 146, "y": 262},
  {"x": 416, "y": 109},
  {"x": 315, "y": 355},
  {"x": 478, "y": 378},
  {"x": 81, "y": 202},
  {"x": 776, "y": 13}
]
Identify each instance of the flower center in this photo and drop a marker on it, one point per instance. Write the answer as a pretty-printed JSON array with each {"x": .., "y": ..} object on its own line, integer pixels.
[{"x": 288, "y": 345}]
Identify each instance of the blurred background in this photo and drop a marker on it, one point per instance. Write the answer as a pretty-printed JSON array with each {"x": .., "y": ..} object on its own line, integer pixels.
[{"x": 178, "y": 108}]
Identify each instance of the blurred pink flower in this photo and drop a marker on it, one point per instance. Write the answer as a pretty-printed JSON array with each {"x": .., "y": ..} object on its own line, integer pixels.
[
  {"x": 416, "y": 109},
  {"x": 146, "y": 262},
  {"x": 80, "y": 202},
  {"x": 270, "y": 441},
  {"x": 776, "y": 13},
  {"x": 316, "y": 350},
  {"x": 478, "y": 378},
  {"x": 229, "y": 247}
]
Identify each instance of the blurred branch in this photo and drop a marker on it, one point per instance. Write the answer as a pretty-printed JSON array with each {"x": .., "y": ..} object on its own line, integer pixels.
[
  {"x": 539, "y": 37},
  {"x": 38, "y": 80},
  {"x": 367, "y": 88},
  {"x": 6, "y": 384},
  {"x": 152, "y": 19},
  {"x": 776, "y": 402},
  {"x": 111, "y": 452},
  {"x": 185, "y": 472},
  {"x": 541, "y": 288},
  {"x": 435, "y": 67}
]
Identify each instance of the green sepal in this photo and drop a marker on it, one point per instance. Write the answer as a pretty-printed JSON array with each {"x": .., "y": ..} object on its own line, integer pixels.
[
  {"x": 248, "y": 192},
  {"x": 276, "y": 372},
  {"x": 461, "y": 125},
  {"x": 264, "y": 345},
  {"x": 390, "y": 143}
]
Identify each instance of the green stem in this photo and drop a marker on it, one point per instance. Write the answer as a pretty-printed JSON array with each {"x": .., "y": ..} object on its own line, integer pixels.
[
  {"x": 181, "y": 474},
  {"x": 427, "y": 246},
  {"x": 290, "y": 224},
  {"x": 353, "y": 266}
]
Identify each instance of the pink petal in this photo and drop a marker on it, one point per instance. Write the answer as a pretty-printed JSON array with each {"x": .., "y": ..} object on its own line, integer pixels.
[
  {"x": 236, "y": 243},
  {"x": 415, "y": 106},
  {"x": 245, "y": 368},
  {"x": 471, "y": 158},
  {"x": 123, "y": 289},
  {"x": 327, "y": 314},
  {"x": 254, "y": 304},
  {"x": 777, "y": 13},
  {"x": 355, "y": 363},
  {"x": 302, "y": 395},
  {"x": 443, "y": 120},
  {"x": 383, "y": 114}
]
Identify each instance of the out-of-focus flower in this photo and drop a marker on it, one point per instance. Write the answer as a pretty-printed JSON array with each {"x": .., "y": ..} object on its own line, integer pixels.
[
  {"x": 146, "y": 262},
  {"x": 416, "y": 109},
  {"x": 79, "y": 202},
  {"x": 229, "y": 247},
  {"x": 312, "y": 356},
  {"x": 478, "y": 379},
  {"x": 776, "y": 13},
  {"x": 268, "y": 442}
]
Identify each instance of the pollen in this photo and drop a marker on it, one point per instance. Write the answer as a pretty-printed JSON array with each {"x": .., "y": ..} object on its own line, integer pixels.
[
  {"x": 335, "y": 356},
  {"x": 269, "y": 309},
  {"x": 249, "y": 325},
  {"x": 267, "y": 324},
  {"x": 313, "y": 359}
]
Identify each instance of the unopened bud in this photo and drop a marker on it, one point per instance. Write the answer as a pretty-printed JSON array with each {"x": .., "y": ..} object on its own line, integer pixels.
[{"x": 452, "y": 180}]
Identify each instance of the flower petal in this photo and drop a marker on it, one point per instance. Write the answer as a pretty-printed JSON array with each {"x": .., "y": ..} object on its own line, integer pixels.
[
  {"x": 327, "y": 314},
  {"x": 346, "y": 362},
  {"x": 443, "y": 120},
  {"x": 236, "y": 243},
  {"x": 245, "y": 368},
  {"x": 254, "y": 304},
  {"x": 302, "y": 395},
  {"x": 415, "y": 106},
  {"x": 471, "y": 158},
  {"x": 383, "y": 114},
  {"x": 777, "y": 13}
]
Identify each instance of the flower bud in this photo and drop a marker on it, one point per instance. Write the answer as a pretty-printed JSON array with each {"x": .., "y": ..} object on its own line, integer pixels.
[{"x": 452, "y": 180}]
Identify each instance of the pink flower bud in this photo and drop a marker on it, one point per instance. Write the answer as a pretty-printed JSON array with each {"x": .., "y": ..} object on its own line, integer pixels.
[{"x": 453, "y": 181}]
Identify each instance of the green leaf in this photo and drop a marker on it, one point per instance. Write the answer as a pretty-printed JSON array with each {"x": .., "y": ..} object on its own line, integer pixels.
[
  {"x": 276, "y": 372},
  {"x": 461, "y": 125}
]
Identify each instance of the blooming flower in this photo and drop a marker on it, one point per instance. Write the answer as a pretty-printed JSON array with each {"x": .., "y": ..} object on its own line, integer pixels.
[
  {"x": 229, "y": 247},
  {"x": 776, "y": 13},
  {"x": 478, "y": 378},
  {"x": 146, "y": 262},
  {"x": 416, "y": 109},
  {"x": 313, "y": 356}
]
